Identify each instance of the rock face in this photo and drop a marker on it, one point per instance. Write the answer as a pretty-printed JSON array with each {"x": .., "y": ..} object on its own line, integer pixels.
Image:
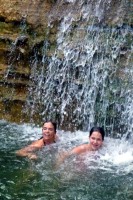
[
  {"x": 29, "y": 28},
  {"x": 23, "y": 27}
]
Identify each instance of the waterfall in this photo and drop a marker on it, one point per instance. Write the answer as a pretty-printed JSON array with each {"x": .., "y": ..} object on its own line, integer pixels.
[{"x": 88, "y": 78}]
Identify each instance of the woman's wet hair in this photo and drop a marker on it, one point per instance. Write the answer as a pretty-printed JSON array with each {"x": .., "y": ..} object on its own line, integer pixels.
[
  {"x": 98, "y": 129},
  {"x": 53, "y": 123}
]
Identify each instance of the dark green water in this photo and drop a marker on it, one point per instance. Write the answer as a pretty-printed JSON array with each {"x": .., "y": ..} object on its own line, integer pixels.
[{"x": 22, "y": 179}]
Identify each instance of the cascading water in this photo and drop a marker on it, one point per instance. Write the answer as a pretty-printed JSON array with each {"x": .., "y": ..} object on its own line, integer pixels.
[{"x": 88, "y": 78}]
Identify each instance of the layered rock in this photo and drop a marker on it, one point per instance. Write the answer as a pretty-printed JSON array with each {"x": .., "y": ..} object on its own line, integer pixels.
[
  {"x": 23, "y": 26},
  {"x": 27, "y": 26}
]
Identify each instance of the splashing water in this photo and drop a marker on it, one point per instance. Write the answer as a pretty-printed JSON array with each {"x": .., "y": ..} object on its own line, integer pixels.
[{"x": 87, "y": 176}]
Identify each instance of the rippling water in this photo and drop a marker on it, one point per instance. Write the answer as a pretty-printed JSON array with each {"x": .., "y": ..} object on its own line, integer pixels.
[{"x": 107, "y": 175}]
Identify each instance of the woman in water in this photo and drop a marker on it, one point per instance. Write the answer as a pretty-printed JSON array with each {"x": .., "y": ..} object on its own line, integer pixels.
[
  {"x": 48, "y": 137},
  {"x": 96, "y": 138}
]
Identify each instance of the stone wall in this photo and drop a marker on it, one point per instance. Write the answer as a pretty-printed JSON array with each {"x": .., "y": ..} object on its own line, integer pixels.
[{"x": 24, "y": 26}]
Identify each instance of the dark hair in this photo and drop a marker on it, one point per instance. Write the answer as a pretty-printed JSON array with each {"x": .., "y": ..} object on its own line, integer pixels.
[
  {"x": 53, "y": 123},
  {"x": 98, "y": 129}
]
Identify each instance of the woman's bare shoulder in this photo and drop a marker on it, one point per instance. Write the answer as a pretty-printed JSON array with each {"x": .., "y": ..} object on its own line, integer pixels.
[
  {"x": 38, "y": 143},
  {"x": 79, "y": 149}
]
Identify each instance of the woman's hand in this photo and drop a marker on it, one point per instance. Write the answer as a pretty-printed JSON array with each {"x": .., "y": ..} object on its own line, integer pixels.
[{"x": 32, "y": 156}]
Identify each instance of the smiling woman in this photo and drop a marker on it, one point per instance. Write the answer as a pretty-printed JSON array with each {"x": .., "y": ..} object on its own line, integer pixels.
[
  {"x": 49, "y": 137},
  {"x": 49, "y": 132},
  {"x": 96, "y": 138}
]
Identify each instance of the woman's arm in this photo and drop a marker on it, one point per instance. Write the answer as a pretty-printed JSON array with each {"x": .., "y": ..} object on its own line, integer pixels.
[
  {"x": 75, "y": 151},
  {"x": 29, "y": 150}
]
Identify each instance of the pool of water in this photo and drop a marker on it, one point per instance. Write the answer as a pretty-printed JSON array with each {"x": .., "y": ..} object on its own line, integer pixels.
[{"x": 107, "y": 175}]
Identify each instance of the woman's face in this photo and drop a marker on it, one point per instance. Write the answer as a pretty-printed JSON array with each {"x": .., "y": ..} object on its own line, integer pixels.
[
  {"x": 95, "y": 140},
  {"x": 48, "y": 132}
]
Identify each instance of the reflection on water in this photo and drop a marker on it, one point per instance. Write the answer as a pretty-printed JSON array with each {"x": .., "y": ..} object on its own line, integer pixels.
[{"x": 107, "y": 175}]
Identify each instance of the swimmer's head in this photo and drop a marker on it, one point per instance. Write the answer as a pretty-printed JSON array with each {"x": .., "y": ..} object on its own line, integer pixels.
[
  {"x": 97, "y": 129},
  {"x": 52, "y": 123}
]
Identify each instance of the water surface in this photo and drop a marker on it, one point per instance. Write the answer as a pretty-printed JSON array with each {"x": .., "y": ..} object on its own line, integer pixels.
[{"x": 107, "y": 175}]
